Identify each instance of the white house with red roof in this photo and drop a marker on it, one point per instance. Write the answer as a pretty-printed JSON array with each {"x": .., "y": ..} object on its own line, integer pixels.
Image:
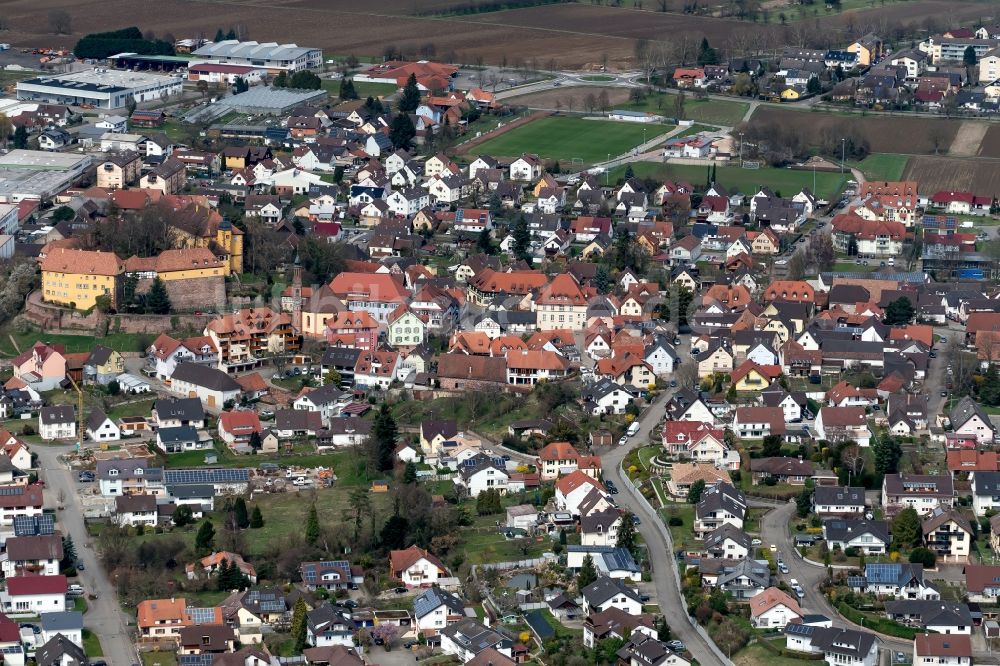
[
  {"x": 416, "y": 567},
  {"x": 572, "y": 489},
  {"x": 236, "y": 428},
  {"x": 700, "y": 442},
  {"x": 166, "y": 352},
  {"x": 31, "y": 595},
  {"x": 378, "y": 294},
  {"x": 561, "y": 458},
  {"x": 772, "y": 608}
]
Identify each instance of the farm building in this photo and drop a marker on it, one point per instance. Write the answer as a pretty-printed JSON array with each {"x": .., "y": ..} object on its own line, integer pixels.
[{"x": 270, "y": 55}]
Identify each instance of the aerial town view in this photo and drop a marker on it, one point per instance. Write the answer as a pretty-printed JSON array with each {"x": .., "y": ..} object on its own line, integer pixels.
[{"x": 500, "y": 332}]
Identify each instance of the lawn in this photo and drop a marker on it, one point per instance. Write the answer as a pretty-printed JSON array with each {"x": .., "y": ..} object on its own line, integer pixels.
[
  {"x": 285, "y": 514},
  {"x": 882, "y": 166},
  {"x": 491, "y": 546},
  {"x": 92, "y": 644},
  {"x": 683, "y": 535},
  {"x": 568, "y": 139},
  {"x": 75, "y": 343},
  {"x": 758, "y": 655},
  {"x": 786, "y": 181},
  {"x": 711, "y": 111},
  {"x": 714, "y": 111},
  {"x": 363, "y": 88},
  {"x": 158, "y": 658}
]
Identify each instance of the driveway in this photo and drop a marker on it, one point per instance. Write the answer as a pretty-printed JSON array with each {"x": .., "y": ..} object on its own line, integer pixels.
[
  {"x": 667, "y": 593},
  {"x": 104, "y": 616}
]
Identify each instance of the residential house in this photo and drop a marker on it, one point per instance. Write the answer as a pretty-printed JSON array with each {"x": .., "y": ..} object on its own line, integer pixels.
[
  {"x": 480, "y": 473},
  {"x": 949, "y": 534},
  {"x": 330, "y": 575},
  {"x": 898, "y": 580},
  {"x": 942, "y": 649},
  {"x": 838, "y": 424},
  {"x": 42, "y": 368},
  {"x": 968, "y": 418},
  {"x": 837, "y": 501},
  {"x": 213, "y": 387},
  {"x": 100, "y": 428},
  {"x": 793, "y": 471},
  {"x": 57, "y": 422},
  {"x": 719, "y": 505},
  {"x": 773, "y": 608},
  {"x": 467, "y": 638},
  {"x": 924, "y": 492},
  {"x": 605, "y": 593},
  {"x": 161, "y": 619},
  {"x": 34, "y": 594},
  {"x": 839, "y": 647},
  {"x": 33, "y": 555},
  {"x": 102, "y": 366},
  {"x": 434, "y": 609},
  {"x": 415, "y": 567},
  {"x": 934, "y": 615},
  {"x": 867, "y": 536}
]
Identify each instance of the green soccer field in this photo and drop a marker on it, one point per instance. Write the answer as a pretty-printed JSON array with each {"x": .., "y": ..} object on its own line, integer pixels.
[{"x": 566, "y": 138}]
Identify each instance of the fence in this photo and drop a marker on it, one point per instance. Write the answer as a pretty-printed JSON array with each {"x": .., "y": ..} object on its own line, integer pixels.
[
  {"x": 519, "y": 564},
  {"x": 665, "y": 534}
]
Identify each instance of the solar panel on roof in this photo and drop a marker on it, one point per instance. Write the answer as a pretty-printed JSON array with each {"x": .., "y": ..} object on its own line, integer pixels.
[
  {"x": 11, "y": 490},
  {"x": 205, "y": 476},
  {"x": 201, "y": 615}
]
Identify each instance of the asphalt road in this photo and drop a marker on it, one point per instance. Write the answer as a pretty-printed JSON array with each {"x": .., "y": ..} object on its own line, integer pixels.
[
  {"x": 104, "y": 616},
  {"x": 666, "y": 589}
]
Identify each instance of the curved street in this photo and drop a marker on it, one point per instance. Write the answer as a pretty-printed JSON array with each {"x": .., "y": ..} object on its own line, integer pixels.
[
  {"x": 104, "y": 616},
  {"x": 660, "y": 556}
]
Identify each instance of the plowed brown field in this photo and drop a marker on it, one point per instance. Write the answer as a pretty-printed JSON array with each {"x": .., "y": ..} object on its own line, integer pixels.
[
  {"x": 571, "y": 34},
  {"x": 885, "y": 134},
  {"x": 979, "y": 175}
]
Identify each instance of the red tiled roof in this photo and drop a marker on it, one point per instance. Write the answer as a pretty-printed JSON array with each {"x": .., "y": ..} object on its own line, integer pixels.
[{"x": 25, "y": 585}]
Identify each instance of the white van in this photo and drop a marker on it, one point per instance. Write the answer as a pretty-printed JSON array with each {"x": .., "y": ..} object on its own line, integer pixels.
[{"x": 633, "y": 429}]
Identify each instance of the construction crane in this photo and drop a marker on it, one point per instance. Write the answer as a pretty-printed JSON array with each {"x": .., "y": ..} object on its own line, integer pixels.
[{"x": 79, "y": 413}]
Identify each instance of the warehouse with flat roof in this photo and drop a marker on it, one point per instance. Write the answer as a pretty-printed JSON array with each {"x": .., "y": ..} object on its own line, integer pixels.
[
  {"x": 99, "y": 87},
  {"x": 270, "y": 55},
  {"x": 38, "y": 174},
  {"x": 270, "y": 101}
]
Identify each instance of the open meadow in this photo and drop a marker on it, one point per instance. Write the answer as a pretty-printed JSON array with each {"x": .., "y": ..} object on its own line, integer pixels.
[
  {"x": 569, "y": 138},
  {"x": 735, "y": 179}
]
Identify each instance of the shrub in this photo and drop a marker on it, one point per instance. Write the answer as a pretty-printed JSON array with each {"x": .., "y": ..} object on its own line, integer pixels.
[{"x": 675, "y": 521}]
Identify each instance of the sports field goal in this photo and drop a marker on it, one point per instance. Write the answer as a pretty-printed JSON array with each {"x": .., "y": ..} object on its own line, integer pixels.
[{"x": 750, "y": 164}]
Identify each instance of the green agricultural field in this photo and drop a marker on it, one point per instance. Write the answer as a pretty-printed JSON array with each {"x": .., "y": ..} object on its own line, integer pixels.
[
  {"x": 735, "y": 179},
  {"x": 363, "y": 88},
  {"x": 566, "y": 138},
  {"x": 882, "y": 166}
]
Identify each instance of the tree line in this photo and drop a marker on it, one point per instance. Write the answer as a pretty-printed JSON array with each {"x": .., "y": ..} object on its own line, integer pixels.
[{"x": 100, "y": 45}]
